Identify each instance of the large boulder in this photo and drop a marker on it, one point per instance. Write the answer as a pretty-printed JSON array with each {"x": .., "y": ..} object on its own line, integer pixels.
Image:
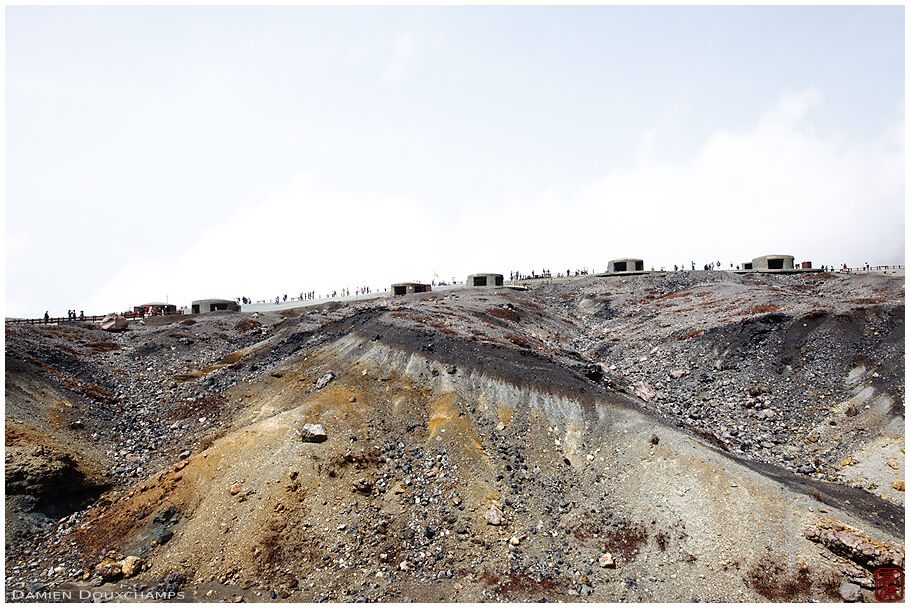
[{"x": 114, "y": 322}]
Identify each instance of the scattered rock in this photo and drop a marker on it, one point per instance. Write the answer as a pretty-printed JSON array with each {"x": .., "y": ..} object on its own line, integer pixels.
[
  {"x": 325, "y": 379},
  {"x": 865, "y": 583},
  {"x": 235, "y": 489},
  {"x": 494, "y": 515},
  {"x": 851, "y": 411},
  {"x": 898, "y": 485},
  {"x": 655, "y": 439},
  {"x": 676, "y": 374},
  {"x": 364, "y": 486},
  {"x": 313, "y": 433},
  {"x": 109, "y": 571},
  {"x": 606, "y": 561},
  {"x": 894, "y": 464},
  {"x": 756, "y": 390},
  {"x": 131, "y": 566},
  {"x": 855, "y": 545},
  {"x": 173, "y": 582},
  {"x": 645, "y": 392},
  {"x": 851, "y": 592}
]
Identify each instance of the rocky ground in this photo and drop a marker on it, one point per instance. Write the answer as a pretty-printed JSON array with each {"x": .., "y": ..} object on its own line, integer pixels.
[{"x": 659, "y": 437}]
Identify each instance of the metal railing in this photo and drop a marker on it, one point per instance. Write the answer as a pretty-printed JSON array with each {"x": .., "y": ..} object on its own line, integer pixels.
[
  {"x": 86, "y": 319},
  {"x": 869, "y": 268}
]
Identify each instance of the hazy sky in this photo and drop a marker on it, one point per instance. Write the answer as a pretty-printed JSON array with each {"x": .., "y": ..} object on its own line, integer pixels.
[{"x": 184, "y": 153}]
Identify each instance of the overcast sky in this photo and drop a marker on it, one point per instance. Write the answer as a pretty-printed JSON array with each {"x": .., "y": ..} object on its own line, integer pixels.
[{"x": 185, "y": 153}]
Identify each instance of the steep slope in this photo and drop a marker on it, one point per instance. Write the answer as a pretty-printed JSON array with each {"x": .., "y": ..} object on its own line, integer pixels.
[{"x": 497, "y": 444}]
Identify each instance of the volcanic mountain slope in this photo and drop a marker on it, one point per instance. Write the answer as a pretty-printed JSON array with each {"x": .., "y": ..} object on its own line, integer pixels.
[{"x": 663, "y": 437}]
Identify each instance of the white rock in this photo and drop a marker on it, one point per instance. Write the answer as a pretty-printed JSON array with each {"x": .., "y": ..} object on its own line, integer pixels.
[
  {"x": 313, "y": 433},
  {"x": 325, "y": 379}
]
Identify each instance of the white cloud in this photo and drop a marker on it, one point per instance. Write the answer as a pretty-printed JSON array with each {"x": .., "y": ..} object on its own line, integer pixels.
[
  {"x": 305, "y": 237},
  {"x": 18, "y": 245},
  {"x": 402, "y": 57},
  {"x": 774, "y": 188}
]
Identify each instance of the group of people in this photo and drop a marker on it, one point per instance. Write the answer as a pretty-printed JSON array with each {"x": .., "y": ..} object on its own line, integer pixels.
[
  {"x": 345, "y": 292},
  {"x": 518, "y": 276},
  {"x": 70, "y": 315},
  {"x": 546, "y": 273},
  {"x": 311, "y": 295},
  {"x": 513, "y": 276}
]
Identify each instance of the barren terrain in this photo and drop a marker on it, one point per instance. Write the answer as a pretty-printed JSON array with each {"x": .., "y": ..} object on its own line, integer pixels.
[{"x": 659, "y": 437}]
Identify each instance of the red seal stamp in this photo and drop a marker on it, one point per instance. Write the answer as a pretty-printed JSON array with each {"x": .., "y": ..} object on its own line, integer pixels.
[{"x": 889, "y": 584}]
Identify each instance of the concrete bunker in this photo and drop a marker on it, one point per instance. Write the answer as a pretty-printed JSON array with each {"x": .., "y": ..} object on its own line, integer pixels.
[
  {"x": 213, "y": 305},
  {"x": 626, "y": 265},
  {"x": 155, "y": 309},
  {"x": 486, "y": 279},
  {"x": 401, "y": 289},
  {"x": 773, "y": 262}
]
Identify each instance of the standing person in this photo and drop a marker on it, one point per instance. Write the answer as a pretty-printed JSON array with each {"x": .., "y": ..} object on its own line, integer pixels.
[
  {"x": 47, "y": 318},
  {"x": 693, "y": 264},
  {"x": 82, "y": 315}
]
